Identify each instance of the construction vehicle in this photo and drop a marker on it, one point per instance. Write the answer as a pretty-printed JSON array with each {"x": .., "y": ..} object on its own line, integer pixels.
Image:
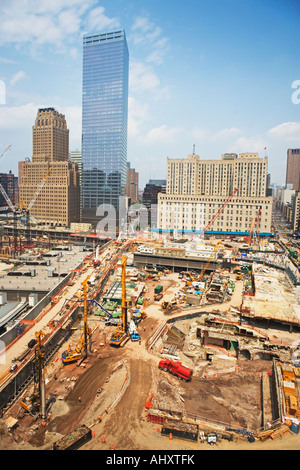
[
  {"x": 81, "y": 349},
  {"x": 133, "y": 332},
  {"x": 96, "y": 261},
  {"x": 168, "y": 305},
  {"x": 36, "y": 402},
  {"x": 121, "y": 332},
  {"x": 138, "y": 316},
  {"x": 68, "y": 357},
  {"x": 176, "y": 368},
  {"x": 158, "y": 297}
]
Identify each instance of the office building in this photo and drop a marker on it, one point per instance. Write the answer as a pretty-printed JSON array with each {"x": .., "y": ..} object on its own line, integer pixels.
[
  {"x": 151, "y": 191},
  {"x": 197, "y": 189},
  {"x": 132, "y": 185},
  {"x": 58, "y": 202},
  {"x": 293, "y": 169},
  {"x": 75, "y": 156},
  {"x": 9, "y": 183},
  {"x": 104, "y": 121}
]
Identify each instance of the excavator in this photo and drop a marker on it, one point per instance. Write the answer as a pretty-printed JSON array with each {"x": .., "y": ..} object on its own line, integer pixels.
[
  {"x": 121, "y": 332},
  {"x": 68, "y": 357}
]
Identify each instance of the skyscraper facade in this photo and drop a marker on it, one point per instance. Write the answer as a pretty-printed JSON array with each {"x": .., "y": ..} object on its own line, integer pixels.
[
  {"x": 104, "y": 121},
  {"x": 197, "y": 189},
  {"x": 58, "y": 202},
  {"x": 293, "y": 169}
]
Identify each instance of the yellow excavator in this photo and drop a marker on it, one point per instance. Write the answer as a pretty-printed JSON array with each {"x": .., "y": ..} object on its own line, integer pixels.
[{"x": 121, "y": 332}]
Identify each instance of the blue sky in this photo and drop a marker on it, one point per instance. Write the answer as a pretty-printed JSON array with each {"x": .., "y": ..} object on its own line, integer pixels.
[{"x": 216, "y": 74}]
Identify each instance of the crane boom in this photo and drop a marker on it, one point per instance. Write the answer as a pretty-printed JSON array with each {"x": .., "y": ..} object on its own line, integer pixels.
[
  {"x": 220, "y": 210},
  {"x": 39, "y": 189},
  {"x": 6, "y": 197},
  {"x": 6, "y": 150}
]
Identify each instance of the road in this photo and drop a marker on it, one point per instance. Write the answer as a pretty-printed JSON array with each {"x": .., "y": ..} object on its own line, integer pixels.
[{"x": 21, "y": 344}]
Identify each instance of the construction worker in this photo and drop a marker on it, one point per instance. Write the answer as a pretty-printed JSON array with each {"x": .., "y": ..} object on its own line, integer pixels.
[
  {"x": 79, "y": 399},
  {"x": 100, "y": 418},
  {"x": 106, "y": 410}
]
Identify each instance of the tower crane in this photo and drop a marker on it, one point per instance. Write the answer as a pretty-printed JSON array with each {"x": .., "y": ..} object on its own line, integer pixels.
[
  {"x": 28, "y": 209},
  {"x": 121, "y": 332},
  {"x": 6, "y": 197},
  {"x": 254, "y": 222},
  {"x": 210, "y": 223},
  {"x": 6, "y": 150}
]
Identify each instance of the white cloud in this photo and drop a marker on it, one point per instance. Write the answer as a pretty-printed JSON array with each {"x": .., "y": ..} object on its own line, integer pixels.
[
  {"x": 229, "y": 132},
  {"x": 138, "y": 114},
  {"x": 162, "y": 134},
  {"x": 199, "y": 133},
  {"x": 286, "y": 130},
  {"x": 147, "y": 35},
  {"x": 73, "y": 115},
  {"x": 33, "y": 23},
  {"x": 249, "y": 144},
  {"x": 15, "y": 117},
  {"x": 142, "y": 77},
  {"x": 98, "y": 21},
  {"x": 17, "y": 76}
]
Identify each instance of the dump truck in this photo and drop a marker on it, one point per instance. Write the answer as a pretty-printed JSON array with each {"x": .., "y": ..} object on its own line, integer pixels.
[{"x": 176, "y": 368}]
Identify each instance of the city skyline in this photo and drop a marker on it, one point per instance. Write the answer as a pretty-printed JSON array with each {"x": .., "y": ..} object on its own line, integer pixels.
[{"x": 218, "y": 75}]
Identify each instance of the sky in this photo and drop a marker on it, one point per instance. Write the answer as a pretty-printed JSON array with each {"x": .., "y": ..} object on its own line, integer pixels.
[{"x": 216, "y": 76}]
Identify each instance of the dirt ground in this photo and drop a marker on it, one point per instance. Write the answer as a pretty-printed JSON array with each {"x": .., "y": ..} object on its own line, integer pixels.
[{"x": 127, "y": 377}]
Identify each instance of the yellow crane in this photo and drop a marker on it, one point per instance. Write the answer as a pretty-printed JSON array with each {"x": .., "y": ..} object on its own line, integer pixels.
[
  {"x": 37, "y": 401},
  {"x": 81, "y": 349},
  {"x": 209, "y": 261},
  {"x": 121, "y": 332}
]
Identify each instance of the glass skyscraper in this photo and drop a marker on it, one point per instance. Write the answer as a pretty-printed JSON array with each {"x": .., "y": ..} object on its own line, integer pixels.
[{"x": 104, "y": 121}]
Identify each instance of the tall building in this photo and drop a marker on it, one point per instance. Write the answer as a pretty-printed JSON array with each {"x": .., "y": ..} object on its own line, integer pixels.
[
  {"x": 58, "y": 202},
  {"x": 104, "y": 121},
  {"x": 197, "y": 189},
  {"x": 75, "y": 156},
  {"x": 132, "y": 184},
  {"x": 293, "y": 168},
  {"x": 9, "y": 183}
]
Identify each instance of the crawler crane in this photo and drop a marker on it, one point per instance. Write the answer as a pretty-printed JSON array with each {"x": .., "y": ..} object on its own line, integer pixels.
[
  {"x": 81, "y": 349},
  {"x": 37, "y": 401},
  {"x": 121, "y": 332}
]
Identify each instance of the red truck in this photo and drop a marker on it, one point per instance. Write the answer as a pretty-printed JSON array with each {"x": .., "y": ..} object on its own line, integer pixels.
[{"x": 176, "y": 368}]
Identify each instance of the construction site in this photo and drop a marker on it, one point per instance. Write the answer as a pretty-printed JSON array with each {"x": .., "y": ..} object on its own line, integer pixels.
[
  {"x": 124, "y": 356},
  {"x": 147, "y": 342}
]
